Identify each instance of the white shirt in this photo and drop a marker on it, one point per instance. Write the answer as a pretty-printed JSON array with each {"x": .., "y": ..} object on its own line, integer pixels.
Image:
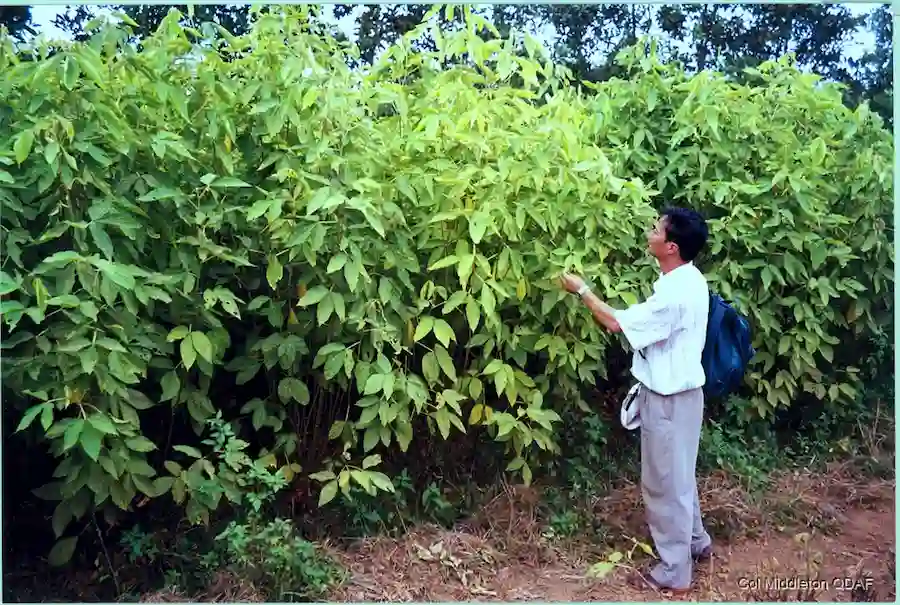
[{"x": 669, "y": 328}]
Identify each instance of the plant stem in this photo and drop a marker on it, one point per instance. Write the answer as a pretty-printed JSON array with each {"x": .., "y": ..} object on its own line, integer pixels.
[{"x": 109, "y": 564}]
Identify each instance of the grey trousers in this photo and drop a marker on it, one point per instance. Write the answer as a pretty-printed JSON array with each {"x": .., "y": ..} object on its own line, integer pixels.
[{"x": 670, "y": 439}]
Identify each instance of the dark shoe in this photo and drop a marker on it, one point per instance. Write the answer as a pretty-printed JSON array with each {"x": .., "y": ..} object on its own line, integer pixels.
[
  {"x": 703, "y": 555},
  {"x": 641, "y": 578}
]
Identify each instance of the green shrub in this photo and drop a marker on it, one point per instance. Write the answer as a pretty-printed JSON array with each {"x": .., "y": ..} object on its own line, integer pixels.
[
  {"x": 274, "y": 557},
  {"x": 340, "y": 261},
  {"x": 253, "y": 546},
  {"x": 798, "y": 188}
]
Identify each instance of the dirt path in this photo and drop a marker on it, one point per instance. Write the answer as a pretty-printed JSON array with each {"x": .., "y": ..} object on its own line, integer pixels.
[{"x": 811, "y": 534}]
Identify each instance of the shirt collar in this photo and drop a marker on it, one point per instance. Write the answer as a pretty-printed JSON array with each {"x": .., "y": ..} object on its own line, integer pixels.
[{"x": 676, "y": 271}]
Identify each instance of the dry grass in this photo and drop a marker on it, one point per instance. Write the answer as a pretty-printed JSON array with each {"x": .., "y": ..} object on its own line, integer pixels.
[
  {"x": 225, "y": 588},
  {"x": 822, "y": 500},
  {"x": 811, "y": 527},
  {"x": 727, "y": 509},
  {"x": 510, "y": 522},
  {"x": 501, "y": 555}
]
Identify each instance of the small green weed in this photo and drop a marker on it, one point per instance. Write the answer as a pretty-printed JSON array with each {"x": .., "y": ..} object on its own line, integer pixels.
[
  {"x": 393, "y": 513},
  {"x": 139, "y": 546},
  {"x": 274, "y": 557},
  {"x": 566, "y": 514},
  {"x": 269, "y": 552},
  {"x": 747, "y": 456}
]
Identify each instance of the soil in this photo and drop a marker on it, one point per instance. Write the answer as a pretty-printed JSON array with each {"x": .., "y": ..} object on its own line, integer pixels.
[{"x": 813, "y": 538}]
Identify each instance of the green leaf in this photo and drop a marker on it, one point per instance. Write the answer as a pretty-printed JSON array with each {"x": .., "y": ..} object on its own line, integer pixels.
[
  {"x": 62, "y": 551},
  {"x": 47, "y": 417},
  {"x": 102, "y": 423},
  {"x": 7, "y": 284},
  {"x": 292, "y": 388},
  {"x": 443, "y": 332},
  {"x": 426, "y": 323},
  {"x": 430, "y": 368},
  {"x": 336, "y": 263},
  {"x": 370, "y": 438},
  {"x": 188, "y": 353},
  {"x": 89, "y": 310},
  {"x": 488, "y": 301},
  {"x": 601, "y": 570},
  {"x": 171, "y": 385},
  {"x": 313, "y": 296},
  {"x": 101, "y": 238},
  {"x": 500, "y": 379},
  {"x": 388, "y": 386},
  {"x": 370, "y": 461},
  {"x": 188, "y": 450},
  {"x": 202, "y": 346},
  {"x": 178, "y": 333},
  {"x": 404, "y": 434},
  {"x": 373, "y": 384},
  {"x": 322, "y": 476},
  {"x": 116, "y": 273},
  {"x": 493, "y": 367},
  {"x": 144, "y": 485},
  {"x": 324, "y": 310},
  {"x": 275, "y": 271},
  {"x": 352, "y": 271},
  {"x": 138, "y": 400},
  {"x": 140, "y": 444},
  {"x": 51, "y": 152},
  {"x": 62, "y": 514},
  {"x": 72, "y": 433},
  {"x": 445, "y": 262},
  {"x": 329, "y": 491},
  {"x": 41, "y": 294},
  {"x": 516, "y": 464},
  {"x": 478, "y": 223},
  {"x": 30, "y": 414},
  {"x": 381, "y": 481},
  {"x": 333, "y": 366},
  {"x": 22, "y": 146},
  {"x": 375, "y": 222},
  {"x": 163, "y": 485},
  {"x": 446, "y": 362},
  {"x": 340, "y": 308},
  {"x": 225, "y": 182},
  {"x": 473, "y": 314},
  {"x": 442, "y": 417},
  {"x": 91, "y": 441},
  {"x": 817, "y": 254}
]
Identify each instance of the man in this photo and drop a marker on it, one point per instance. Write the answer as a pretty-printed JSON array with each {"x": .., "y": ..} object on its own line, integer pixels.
[{"x": 668, "y": 333}]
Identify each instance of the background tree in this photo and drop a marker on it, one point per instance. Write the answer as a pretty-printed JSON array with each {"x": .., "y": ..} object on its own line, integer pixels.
[
  {"x": 233, "y": 17},
  {"x": 873, "y": 73},
  {"x": 16, "y": 19}
]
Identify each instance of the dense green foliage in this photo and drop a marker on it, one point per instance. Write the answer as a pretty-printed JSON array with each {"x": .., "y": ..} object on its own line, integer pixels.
[
  {"x": 586, "y": 38},
  {"x": 340, "y": 261},
  {"x": 799, "y": 189}
]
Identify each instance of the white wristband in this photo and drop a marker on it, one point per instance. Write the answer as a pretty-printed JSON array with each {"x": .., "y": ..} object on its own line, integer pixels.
[{"x": 584, "y": 290}]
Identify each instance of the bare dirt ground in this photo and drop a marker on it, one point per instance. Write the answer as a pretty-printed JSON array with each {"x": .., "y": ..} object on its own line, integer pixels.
[{"x": 811, "y": 538}]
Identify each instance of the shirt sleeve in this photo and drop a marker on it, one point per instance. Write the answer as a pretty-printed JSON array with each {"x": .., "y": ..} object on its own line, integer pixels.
[{"x": 648, "y": 322}]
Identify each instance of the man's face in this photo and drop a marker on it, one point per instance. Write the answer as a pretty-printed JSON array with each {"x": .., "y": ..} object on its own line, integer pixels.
[{"x": 656, "y": 240}]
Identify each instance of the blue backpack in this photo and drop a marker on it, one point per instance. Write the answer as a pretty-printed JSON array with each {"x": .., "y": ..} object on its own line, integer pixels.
[{"x": 727, "y": 351}]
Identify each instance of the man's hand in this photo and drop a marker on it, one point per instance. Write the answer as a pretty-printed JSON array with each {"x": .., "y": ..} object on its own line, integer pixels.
[
  {"x": 602, "y": 312},
  {"x": 570, "y": 282}
]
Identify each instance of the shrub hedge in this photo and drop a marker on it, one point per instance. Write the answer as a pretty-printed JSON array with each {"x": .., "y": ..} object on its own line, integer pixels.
[{"x": 341, "y": 260}]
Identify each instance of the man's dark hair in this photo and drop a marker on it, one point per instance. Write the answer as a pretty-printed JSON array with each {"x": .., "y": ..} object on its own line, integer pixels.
[{"x": 687, "y": 229}]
